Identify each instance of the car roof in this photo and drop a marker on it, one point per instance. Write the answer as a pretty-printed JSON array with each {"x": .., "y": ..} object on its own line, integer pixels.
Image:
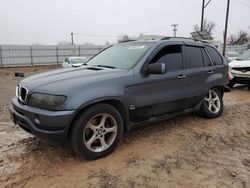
[{"x": 185, "y": 40}]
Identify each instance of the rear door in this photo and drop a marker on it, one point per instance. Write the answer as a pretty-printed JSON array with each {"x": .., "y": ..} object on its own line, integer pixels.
[
  {"x": 219, "y": 70},
  {"x": 198, "y": 68}
]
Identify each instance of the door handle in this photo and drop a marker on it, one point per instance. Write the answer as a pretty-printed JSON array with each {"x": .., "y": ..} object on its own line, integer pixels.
[
  {"x": 181, "y": 76},
  {"x": 210, "y": 72}
]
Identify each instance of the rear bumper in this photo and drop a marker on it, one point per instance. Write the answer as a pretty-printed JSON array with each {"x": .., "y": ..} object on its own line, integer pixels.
[{"x": 51, "y": 125}]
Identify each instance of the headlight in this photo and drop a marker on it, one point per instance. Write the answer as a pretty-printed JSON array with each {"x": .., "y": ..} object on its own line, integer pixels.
[{"x": 46, "y": 101}]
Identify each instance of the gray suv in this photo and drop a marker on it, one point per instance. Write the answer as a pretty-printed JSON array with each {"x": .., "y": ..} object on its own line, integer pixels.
[{"x": 124, "y": 86}]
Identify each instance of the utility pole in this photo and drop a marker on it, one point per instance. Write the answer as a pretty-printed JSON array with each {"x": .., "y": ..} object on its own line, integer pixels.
[
  {"x": 202, "y": 12},
  {"x": 225, "y": 32},
  {"x": 72, "y": 38},
  {"x": 175, "y": 29}
]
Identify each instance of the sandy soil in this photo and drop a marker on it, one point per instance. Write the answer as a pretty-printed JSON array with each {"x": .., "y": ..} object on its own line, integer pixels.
[{"x": 187, "y": 151}]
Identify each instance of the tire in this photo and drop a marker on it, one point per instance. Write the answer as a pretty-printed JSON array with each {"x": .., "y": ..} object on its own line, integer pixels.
[
  {"x": 212, "y": 105},
  {"x": 231, "y": 84},
  {"x": 97, "y": 131}
]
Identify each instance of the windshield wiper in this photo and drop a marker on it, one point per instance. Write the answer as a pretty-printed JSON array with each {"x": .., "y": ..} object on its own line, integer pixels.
[{"x": 106, "y": 66}]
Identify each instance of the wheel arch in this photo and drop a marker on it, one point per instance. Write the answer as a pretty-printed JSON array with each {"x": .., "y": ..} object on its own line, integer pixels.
[
  {"x": 117, "y": 103},
  {"x": 221, "y": 89}
]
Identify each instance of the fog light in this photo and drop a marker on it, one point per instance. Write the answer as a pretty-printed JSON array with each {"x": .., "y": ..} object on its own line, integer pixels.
[{"x": 37, "y": 121}]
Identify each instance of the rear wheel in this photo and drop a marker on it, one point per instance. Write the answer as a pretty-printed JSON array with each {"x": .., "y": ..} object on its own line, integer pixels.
[
  {"x": 212, "y": 106},
  {"x": 97, "y": 131}
]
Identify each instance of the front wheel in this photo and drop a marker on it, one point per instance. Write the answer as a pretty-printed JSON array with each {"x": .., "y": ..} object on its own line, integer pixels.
[
  {"x": 97, "y": 131},
  {"x": 212, "y": 106}
]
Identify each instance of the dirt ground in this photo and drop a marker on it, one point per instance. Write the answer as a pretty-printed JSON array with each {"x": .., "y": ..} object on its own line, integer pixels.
[{"x": 187, "y": 151}]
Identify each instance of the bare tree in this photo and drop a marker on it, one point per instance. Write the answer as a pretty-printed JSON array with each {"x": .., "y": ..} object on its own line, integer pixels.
[
  {"x": 107, "y": 43},
  {"x": 208, "y": 25},
  {"x": 238, "y": 39},
  {"x": 124, "y": 38}
]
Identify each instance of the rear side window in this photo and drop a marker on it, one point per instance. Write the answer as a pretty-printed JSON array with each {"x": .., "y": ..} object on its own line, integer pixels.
[
  {"x": 206, "y": 59},
  {"x": 214, "y": 55},
  {"x": 171, "y": 56},
  {"x": 193, "y": 57}
]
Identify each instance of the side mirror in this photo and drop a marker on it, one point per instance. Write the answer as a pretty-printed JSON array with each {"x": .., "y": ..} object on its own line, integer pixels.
[
  {"x": 65, "y": 64},
  {"x": 155, "y": 68}
]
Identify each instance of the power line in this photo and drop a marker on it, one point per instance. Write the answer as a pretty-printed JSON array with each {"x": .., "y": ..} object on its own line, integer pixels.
[
  {"x": 242, "y": 3},
  {"x": 157, "y": 29},
  {"x": 110, "y": 36},
  {"x": 94, "y": 35},
  {"x": 207, "y": 3},
  {"x": 89, "y": 35}
]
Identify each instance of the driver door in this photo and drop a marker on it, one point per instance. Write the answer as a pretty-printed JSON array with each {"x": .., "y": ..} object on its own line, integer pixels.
[{"x": 157, "y": 94}]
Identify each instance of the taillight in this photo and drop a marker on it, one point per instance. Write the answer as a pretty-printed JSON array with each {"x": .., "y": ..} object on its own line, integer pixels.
[{"x": 230, "y": 76}]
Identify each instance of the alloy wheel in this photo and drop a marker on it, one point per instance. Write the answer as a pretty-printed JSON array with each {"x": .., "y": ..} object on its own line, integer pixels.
[
  {"x": 212, "y": 101},
  {"x": 100, "y": 132}
]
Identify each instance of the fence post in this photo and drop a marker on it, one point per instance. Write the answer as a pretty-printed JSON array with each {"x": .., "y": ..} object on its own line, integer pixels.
[
  {"x": 31, "y": 56},
  {"x": 57, "y": 58},
  {"x": 99, "y": 49},
  {"x": 79, "y": 51},
  {"x": 1, "y": 56}
]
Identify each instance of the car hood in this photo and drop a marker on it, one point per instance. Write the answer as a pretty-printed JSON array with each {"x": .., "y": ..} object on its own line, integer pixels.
[
  {"x": 241, "y": 63},
  {"x": 60, "y": 80}
]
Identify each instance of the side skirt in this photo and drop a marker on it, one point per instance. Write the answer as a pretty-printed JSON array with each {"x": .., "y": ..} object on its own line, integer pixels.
[{"x": 162, "y": 117}]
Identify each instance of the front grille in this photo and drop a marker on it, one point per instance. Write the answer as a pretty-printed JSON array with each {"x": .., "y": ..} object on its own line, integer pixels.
[
  {"x": 242, "y": 69},
  {"x": 22, "y": 93}
]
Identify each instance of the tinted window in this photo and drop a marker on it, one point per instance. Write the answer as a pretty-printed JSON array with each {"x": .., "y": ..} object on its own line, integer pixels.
[
  {"x": 171, "y": 56},
  {"x": 193, "y": 57},
  {"x": 214, "y": 55},
  {"x": 206, "y": 59}
]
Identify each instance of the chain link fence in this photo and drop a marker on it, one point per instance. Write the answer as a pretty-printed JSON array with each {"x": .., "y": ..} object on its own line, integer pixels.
[
  {"x": 235, "y": 48},
  {"x": 24, "y": 55}
]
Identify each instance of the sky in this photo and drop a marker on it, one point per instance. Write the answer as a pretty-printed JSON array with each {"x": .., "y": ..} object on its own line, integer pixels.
[{"x": 52, "y": 21}]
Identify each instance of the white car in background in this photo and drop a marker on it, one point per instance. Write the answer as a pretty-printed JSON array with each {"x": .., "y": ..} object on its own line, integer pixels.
[
  {"x": 240, "y": 69},
  {"x": 231, "y": 56},
  {"x": 74, "y": 62}
]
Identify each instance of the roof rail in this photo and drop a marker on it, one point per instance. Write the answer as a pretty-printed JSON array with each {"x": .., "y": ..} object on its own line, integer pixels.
[
  {"x": 130, "y": 40},
  {"x": 187, "y": 38},
  {"x": 167, "y": 38}
]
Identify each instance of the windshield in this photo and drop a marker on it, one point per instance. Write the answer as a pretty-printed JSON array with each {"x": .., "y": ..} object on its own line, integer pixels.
[
  {"x": 244, "y": 56},
  {"x": 78, "y": 60},
  {"x": 232, "y": 55},
  {"x": 121, "y": 56}
]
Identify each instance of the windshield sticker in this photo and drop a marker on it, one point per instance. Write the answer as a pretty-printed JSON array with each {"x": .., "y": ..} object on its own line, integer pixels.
[{"x": 136, "y": 47}]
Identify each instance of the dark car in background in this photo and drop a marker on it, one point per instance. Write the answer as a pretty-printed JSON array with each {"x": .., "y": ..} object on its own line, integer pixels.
[{"x": 124, "y": 86}]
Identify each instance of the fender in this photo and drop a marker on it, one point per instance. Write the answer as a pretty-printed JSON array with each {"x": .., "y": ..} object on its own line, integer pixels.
[{"x": 112, "y": 100}]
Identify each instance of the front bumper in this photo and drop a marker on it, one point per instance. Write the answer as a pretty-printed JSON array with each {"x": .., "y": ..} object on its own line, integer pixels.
[
  {"x": 240, "y": 77},
  {"x": 52, "y": 125},
  {"x": 240, "y": 74}
]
